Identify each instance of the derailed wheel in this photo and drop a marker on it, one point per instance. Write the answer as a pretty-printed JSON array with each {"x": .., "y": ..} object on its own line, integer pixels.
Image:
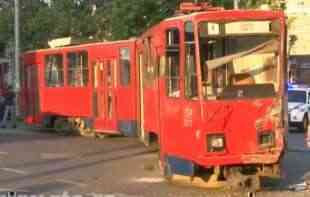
[
  {"x": 238, "y": 181},
  {"x": 165, "y": 168},
  {"x": 84, "y": 130},
  {"x": 63, "y": 126},
  {"x": 101, "y": 136},
  {"x": 167, "y": 172},
  {"x": 253, "y": 183}
]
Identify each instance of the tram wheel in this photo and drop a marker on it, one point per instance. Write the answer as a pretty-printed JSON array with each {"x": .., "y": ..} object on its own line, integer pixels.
[
  {"x": 101, "y": 136},
  {"x": 84, "y": 130},
  {"x": 62, "y": 126},
  {"x": 238, "y": 181},
  {"x": 165, "y": 170}
]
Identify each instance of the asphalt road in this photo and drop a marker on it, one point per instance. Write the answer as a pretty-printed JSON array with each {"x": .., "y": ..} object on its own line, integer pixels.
[{"x": 46, "y": 163}]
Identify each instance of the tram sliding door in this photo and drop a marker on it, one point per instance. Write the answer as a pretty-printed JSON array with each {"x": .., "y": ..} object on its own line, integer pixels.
[
  {"x": 32, "y": 91},
  {"x": 104, "y": 96},
  {"x": 180, "y": 105},
  {"x": 110, "y": 97}
]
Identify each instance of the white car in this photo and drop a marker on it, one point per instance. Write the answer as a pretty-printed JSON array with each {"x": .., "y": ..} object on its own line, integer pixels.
[{"x": 299, "y": 107}]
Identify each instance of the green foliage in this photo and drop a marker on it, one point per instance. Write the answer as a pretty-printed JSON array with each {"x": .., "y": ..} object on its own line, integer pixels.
[
  {"x": 228, "y": 4},
  {"x": 131, "y": 19},
  {"x": 123, "y": 19},
  {"x": 40, "y": 23},
  {"x": 36, "y": 24},
  {"x": 120, "y": 19},
  {"x": 6, "y": 26}
]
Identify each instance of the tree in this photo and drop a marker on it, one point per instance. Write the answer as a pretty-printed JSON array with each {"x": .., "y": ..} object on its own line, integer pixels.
[
  {"x": 41, "y": 22},
  {"x": 36, "y": 22},
  {"x": 6, "y": 26},
  {"x": 131, "y": 19},
  {"x": 84, "y": 19},
  {"x": 224, "y": 3}
]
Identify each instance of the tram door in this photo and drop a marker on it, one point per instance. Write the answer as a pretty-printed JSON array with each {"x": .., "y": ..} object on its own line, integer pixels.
[
  {"x": 109, "y": 97},
  {"x": 180, "y": 104},
  {"x": 32, "y": 90},
  {"x": 98, "y": 105},
  {"x": 104, "y": 96}
]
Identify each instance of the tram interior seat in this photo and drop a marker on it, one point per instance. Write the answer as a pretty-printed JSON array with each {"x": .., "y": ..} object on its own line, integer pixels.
[
  {"x": 243, "y": 86},
  {"x": 235, "y": 80}
]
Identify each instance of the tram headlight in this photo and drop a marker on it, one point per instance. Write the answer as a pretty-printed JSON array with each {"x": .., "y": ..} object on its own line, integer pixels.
[{"x": 216, "y": 142}]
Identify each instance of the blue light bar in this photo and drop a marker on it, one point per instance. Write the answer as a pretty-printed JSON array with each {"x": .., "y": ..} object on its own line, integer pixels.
[{"x": 291, "y": 85}]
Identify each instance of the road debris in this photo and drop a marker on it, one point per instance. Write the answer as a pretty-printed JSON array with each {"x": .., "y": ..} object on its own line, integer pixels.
[
  {"x": 149, "y": 180},
  {"x": 300, "y": 187},
  {"x": 16, "y": 171}
]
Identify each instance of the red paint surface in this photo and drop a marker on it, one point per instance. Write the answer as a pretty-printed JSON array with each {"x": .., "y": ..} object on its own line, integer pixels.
[
  {"x": 78, "y": 101},
  {"x": 181, "y": 124}
]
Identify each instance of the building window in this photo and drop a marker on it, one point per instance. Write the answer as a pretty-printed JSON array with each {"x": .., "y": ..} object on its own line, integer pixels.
[
  {"x": 54, "y": 70},
  {"x": 78, "y": 69},
  {"x": 173, "y": 63},
  {"x": 125, "y": 66}
]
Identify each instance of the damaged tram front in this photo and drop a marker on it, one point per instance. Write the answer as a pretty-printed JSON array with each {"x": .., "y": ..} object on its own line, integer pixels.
[{"x": 222, "y": 95}]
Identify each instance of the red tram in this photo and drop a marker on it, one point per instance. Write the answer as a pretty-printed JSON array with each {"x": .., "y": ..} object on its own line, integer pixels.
[
  {"x": 81, "y": 85},
  {"x": 207, "y": 85}
]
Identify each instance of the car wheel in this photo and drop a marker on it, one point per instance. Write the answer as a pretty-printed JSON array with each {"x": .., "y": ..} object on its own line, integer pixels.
[{"x": 305, "y": 123}]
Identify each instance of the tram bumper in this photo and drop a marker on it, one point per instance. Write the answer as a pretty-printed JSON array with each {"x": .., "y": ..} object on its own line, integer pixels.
[
  {"x": 242, "y": 159},
  {"x": 264, "y": 159}
]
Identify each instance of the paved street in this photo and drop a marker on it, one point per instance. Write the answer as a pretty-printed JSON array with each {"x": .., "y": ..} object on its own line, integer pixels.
[{"x": 46, "y": 163}]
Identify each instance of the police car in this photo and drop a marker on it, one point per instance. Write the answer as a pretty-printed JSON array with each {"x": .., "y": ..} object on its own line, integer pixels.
[{"x": 299, "y": 107}]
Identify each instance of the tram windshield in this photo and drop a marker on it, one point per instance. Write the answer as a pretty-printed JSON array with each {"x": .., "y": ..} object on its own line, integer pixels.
[{"x": 239, "y": 59}]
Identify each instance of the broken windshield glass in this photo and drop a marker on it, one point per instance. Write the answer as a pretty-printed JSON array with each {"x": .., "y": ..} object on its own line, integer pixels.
[{"x": 239, "y": 56}]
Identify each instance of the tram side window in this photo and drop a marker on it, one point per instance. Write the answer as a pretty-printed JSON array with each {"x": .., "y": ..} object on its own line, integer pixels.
[
  {"x": 125, "y": 66},
  {"x": 150, "y": 60},
  {"x": 191, "y": 86},
  {"x": 173, "y": 63},
  {"x": 78, "y": 69},
  {"x": 54, "y": 70},
  {"x": 109, "y": 73}
]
